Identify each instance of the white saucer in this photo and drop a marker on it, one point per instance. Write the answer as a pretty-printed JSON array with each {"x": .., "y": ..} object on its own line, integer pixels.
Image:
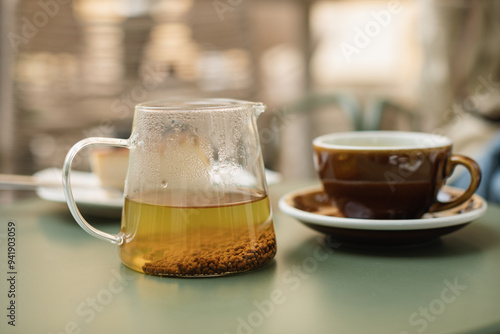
[{"x": 312, "y": 207}]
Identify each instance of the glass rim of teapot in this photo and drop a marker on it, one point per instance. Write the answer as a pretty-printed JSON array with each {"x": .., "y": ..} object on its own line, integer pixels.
[{"x": 197, "y": 104}]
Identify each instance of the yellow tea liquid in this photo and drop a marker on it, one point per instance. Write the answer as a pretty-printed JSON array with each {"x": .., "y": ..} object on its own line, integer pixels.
[{"x": 174, "y": 237}]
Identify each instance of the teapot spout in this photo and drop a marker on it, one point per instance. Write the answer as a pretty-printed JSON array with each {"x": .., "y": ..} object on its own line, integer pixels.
[{"x": 259, "y": 108}]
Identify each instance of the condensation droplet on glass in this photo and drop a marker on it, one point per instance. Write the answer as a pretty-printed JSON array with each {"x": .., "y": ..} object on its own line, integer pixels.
[{"x": 164, "y": 183}]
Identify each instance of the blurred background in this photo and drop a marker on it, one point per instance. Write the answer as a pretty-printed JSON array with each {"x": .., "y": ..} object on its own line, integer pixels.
[{"x": 75, "y": 69}]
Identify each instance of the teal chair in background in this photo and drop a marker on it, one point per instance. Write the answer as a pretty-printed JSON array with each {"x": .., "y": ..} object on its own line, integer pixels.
[{"x": 378, "y": 114}]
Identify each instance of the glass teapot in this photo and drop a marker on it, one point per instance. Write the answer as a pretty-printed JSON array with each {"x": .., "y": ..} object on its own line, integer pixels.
[{"x": 196, "y": 199}]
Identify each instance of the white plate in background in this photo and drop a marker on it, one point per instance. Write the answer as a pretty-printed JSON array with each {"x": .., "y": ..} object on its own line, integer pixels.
[{"x": 91, "y": 198}]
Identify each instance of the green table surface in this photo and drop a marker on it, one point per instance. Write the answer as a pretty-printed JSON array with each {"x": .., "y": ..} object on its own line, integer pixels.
[{"x": 69, "y": 282}]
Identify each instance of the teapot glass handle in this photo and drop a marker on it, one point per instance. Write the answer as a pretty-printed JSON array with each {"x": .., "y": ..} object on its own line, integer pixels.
[{"x": 113, "y": 238}]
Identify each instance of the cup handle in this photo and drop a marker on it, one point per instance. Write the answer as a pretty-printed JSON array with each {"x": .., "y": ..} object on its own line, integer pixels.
[
  {"x": 95, "y": 141},
  {"x": 475, "y": 179}
]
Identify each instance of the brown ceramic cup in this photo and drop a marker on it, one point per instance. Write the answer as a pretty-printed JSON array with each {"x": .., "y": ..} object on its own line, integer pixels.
[{"x": 389, "y": 174}]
